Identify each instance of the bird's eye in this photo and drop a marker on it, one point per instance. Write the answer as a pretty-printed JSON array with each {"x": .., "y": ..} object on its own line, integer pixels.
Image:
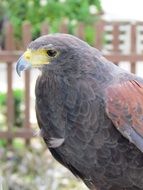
[{"x": 51, "y": 53}]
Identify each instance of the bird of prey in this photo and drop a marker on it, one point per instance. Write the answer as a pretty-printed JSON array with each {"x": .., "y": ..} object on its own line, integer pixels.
[{"x": 90, "y": 112}]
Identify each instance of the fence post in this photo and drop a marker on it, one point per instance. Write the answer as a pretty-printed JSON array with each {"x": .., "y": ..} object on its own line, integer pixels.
[
  {"x": 9, "y": 45},
  {"x": 44, "y": 28},
  {"x": 63, "y": 27},
  {"x": 26, "y": 37},
  {"x": 116, "y": 40},
  {"x": 99, "y": 32},
  {"x": 133, "y": 46},
  {"x": 80, "y": 31}
]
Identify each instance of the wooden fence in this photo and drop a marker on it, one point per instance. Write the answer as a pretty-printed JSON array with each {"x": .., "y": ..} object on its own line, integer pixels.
[{"x": 110, "y": 32}]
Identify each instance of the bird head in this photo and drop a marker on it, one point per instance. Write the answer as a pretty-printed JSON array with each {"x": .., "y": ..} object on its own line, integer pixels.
[{"x": 54, "y": 51}]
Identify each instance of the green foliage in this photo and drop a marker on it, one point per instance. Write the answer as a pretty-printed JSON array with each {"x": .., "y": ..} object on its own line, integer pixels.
[
  {"x": 2, "y": 143},
  {"x": 18, "y": 143},
  {"x": 18, "y": 106},
  {"x": 52, "y": 11},
  {"x": 2, "y": 99},
  {"x": 89, "y": 34},
  {"x": 18, "y": 110}
]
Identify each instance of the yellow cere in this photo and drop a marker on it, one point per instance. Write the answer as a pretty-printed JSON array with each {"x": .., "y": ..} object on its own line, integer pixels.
[{"x": 36, "y": 57}]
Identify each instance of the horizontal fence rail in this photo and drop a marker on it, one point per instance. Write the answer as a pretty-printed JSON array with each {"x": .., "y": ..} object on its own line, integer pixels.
[{"x": 119, "y": 41}]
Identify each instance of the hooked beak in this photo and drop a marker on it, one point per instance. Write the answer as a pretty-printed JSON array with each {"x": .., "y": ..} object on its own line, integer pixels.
[
  {"x": 22, "y": 65},
  {"x": 32, "y": 58}
]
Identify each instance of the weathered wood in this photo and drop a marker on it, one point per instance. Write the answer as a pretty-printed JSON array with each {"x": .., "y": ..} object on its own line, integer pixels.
[
  {"x": 26, "y": 31},
  {"x": 27, "y": 37},
  {"x": 116, "y": 40},
  {"x": 63, "y": 27},
  {"x": 26, "y": 134},
  {"x": 117, "y": 57},
  {"x": 9, "y": 45},
  {"x": 80, "y": 31},
  {"x": 44, "y": 28},
  {"x": 113, "y": 57},
  {"x": 99, "y": 32},
  {"x": 139, "y": 23},
  {"x": 133, "y": 46},
  {"x": 9, "y": 56}
]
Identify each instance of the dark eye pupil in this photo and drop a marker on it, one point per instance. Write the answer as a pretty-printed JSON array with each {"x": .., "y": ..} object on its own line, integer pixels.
[{"x": 51, "y": 53}]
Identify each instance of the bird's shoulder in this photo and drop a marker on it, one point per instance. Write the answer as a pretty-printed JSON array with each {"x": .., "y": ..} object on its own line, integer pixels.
[{"x": 124, "y": 106}]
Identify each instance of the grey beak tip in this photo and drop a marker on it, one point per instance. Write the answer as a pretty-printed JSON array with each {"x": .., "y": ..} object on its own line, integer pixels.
[
  {"x": 19, "y": 74},
  {"x": 22, "y": 65},
  {"x": 18, "y": 71}
]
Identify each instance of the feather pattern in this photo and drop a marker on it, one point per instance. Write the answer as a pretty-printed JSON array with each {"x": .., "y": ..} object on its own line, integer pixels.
[{"x": 96, "y": 107}]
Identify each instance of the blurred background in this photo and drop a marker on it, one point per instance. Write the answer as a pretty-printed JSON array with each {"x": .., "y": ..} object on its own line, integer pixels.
[{"x": 114, "y": 27}]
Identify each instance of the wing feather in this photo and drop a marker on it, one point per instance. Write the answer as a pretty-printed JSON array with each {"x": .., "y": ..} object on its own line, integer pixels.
[{"x": 124, "y": 106}]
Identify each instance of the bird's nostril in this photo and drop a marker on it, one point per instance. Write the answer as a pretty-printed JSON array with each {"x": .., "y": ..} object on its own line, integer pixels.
[{"x": 27, "y": 57}]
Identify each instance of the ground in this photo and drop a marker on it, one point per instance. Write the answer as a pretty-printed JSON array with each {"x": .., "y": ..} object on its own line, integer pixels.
[{"x": 33, "y": 168}]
